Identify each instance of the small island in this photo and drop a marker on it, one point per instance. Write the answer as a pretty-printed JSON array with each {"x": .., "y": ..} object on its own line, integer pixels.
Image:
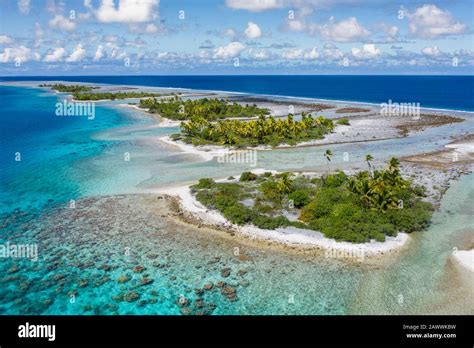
[
  {"x": 264, "y": 131},
  {"x": 367, "y": 205},
  {"x": 81, "y": 96},
  {"x": 349, "y": 110},
  {"x": 68, "y": 88},
  {"x": 209, "y": 109},
  {"x": 86, "y": 93}
]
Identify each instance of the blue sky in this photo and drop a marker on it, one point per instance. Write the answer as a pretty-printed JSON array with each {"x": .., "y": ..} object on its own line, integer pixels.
[{"x": 126, "y": 37}]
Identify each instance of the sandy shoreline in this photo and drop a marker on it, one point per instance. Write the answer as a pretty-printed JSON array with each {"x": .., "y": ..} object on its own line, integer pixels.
[
  {"x": 457, "y": 153},
  {"x": 290, "y": 236},
  {"x": 341, "y": 135},
  {"x": 436, "y": 183},
  {"x": 465, "y": 258},
  {"x": 207, "y": 153}
]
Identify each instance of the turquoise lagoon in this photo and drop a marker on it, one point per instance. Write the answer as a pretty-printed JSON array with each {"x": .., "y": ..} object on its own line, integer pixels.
[{"x": 114, "y": 227}]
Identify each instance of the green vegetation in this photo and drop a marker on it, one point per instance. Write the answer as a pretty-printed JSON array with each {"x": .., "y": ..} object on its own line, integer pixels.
[
  {"x": 69, "y": 88},
  {"x": 328, "y": 155},
  {"x": 209, "y": 109},
  {"x": 79, "y": 92},
  {"x": 343, "y": 121},
  {"x": 113, "y": 95},
  {"x": 248, "y": 176},
  {"x": 350, "y": 110},
  {"x": 357, "y": 208},
  {"x": 268, "y": 131}
]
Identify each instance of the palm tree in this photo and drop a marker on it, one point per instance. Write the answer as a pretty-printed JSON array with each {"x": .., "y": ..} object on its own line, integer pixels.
[
  {"x": 285, "y": 183},
  {"x": 369, "y": 159},
  {"x": 328, "y": 155},
  {"x": 393, "y": 164}
]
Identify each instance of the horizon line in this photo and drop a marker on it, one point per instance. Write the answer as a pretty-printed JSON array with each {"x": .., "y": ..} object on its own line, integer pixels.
[{"x": 233, "y": 75}]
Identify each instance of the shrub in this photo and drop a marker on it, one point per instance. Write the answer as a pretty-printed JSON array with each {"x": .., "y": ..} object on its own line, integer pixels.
[
  {"x": 204, "y": 184},
  {"x": 343, "y": 121},
  {"x": 269, "y": 223},
  {"x": 238, "y": 214},
  {"x": 335, "y": 180},
  {"x": 205, "y": 198},
  {"x": 357, "y": 209},
  {"x": 270, "y": 192},
  {"x": 222, "y": 201},
  {"x": 415, "y": 218},
  {"x": 248, "y": 176},
  {"x": 324, "y": 202},
  {"x": 262, "y": 207},
  {"x": 419, "y": 190},
  {"x": 300, "y": 198}
]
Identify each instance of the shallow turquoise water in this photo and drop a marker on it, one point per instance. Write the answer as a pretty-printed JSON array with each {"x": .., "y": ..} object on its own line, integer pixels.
[
  {"x": 422, "y": 276},
  {"x": 51, "y": 148},
  {"x": 82, "y": 251}
]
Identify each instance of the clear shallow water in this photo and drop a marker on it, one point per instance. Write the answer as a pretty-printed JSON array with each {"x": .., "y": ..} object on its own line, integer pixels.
[
  {"x": 84, "y": 254},
  {"x": 82, "y": 250},
  {"x": 424, "y": 275}
]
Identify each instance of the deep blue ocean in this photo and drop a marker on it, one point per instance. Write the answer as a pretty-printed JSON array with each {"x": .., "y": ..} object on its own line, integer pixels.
[{"x": 442, "y": 92}]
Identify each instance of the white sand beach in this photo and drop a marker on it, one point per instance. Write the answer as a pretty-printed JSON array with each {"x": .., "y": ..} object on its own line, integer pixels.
[
  {"x": 465, "y": 258},
  {"x": 290, "y": 236}
]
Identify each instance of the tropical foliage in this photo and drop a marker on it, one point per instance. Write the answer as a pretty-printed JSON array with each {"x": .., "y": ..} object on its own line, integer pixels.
[
  {"x": 350, "y": 110},
  {"x": 343, "y": 121},
  {"x": 255, "y": 132},
  {"x": 354, "y": 208},
  {"x": 209, "y": 109},
  {"x": 69, "y": 88},
  {"x": 112, "y": 95},
  {"x": 79, "y": 92}
]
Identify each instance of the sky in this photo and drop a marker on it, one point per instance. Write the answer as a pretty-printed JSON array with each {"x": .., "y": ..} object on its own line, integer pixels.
[{"x": 188, "y": 37}]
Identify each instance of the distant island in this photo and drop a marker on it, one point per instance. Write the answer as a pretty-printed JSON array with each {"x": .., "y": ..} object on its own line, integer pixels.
[
  {"x": 79, "y": 93},
  {"x": 68, "y": 88}
]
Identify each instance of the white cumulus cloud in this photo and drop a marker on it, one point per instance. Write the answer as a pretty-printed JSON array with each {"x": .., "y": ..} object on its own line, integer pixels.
[
  {"x": 292, "y": 54},
  {"x": 99, "y": 53},
  {"x": 296, "y": 25},
  {"x": 124, "y": 11},
  {"x": 332, "y": 52},
  {"x": 429, "y": 21},
  {"x": 311, "y": 54},
  {"x": 348, "y": 30},
  {"x": 18, "y": 54},
  {"x": 367, "y": 51},
  {"x": 253, "y": 31},
  {"x": 257, "y": 54},
  {"x": 254, "y": 5},
  {"x": 55, "y": 56},
  {"x": 5, "y": 40},
  {"x": 61, "y": 23},
  {"x": 230, "y": 51},
  {"x": 431, "y": 51},
  {"x": 299, "y": 53},
  {"x": 78, "y": 54}
]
